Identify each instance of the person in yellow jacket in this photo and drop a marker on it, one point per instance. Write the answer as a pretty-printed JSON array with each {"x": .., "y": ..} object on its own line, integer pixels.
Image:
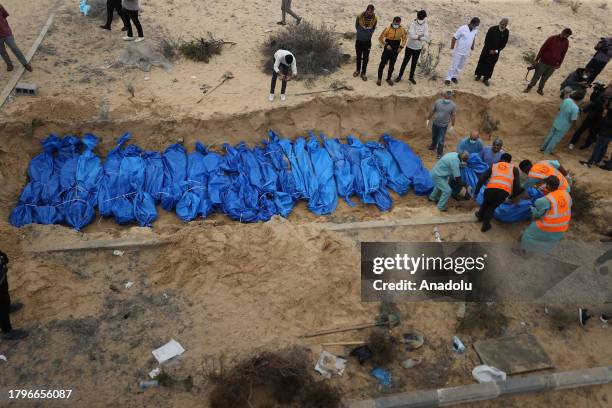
[
  {"x": 552, "y": 214},
  {"x": 393, "y": 39}
]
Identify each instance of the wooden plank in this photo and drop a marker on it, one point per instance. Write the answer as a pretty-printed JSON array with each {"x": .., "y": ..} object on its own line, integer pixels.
[
  {"x": 95, "y": 244},
  {"x": 19, "y": 69},
  {"x": 459, "y": 218}
]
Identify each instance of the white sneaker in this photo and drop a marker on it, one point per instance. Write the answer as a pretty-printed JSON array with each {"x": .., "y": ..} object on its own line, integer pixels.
[
  {"x": 139, "y": 39},
  {"x": 271, "y": 97},
  {"x": 571, "y": 146},
  {"x": 126, "y": 38},
  {"x": 283, "y": 97}
]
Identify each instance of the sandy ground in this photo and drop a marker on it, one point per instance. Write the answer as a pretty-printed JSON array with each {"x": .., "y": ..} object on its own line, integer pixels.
[{"x": 226, "y": 290}]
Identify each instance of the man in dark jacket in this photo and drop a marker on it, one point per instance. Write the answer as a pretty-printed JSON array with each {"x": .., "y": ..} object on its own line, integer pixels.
[
  {"x": 593, "y": 117},
  {"x": 549, "y": 58},
  {"x": 495, "y": 42},
  {"x": 601, "y": 58},
  {"x": 365, "y": 24},
  {"x": 8, "y": 333},
  {"x": 575, "y": 81},
  {"x": 604, "y": 135}
]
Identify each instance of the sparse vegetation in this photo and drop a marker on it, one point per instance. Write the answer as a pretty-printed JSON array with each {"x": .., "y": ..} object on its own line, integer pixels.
[
  {"x": 575, "y": 5},
  {"x": 316, "y": 48},
  {"x": 488, "y": 124},
  {"x": 603, "y": 5},
  {"x": 484, "y": 320},
  {"x": 203, "y": 49},
  {"x": 169, "y": 45},
  {"x": 529, "y": 57},
  {"x": 429, "y": 60},
  {"x": 583, "y": 203}
]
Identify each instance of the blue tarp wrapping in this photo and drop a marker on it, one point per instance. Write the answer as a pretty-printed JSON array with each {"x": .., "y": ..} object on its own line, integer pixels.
[
  {"x": 471, "y": 172},
  {"x": 67, "y": 181}
]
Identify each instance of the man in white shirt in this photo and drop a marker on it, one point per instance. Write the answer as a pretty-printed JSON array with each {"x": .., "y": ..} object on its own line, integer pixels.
[
  {"x": 283, "y": 59},
  {"x": 418, "y": 33},
  {"x": 463, "y": 45}
]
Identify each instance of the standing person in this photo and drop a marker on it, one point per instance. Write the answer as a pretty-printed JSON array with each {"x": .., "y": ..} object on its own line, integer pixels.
[
  {"x": 365, "y": 24},
  {"x": 6, "y": 307},
  {"x": 463, "y": 45},
  {"x": 286, "y": 9},
  {"x": 492, "y": 154},
  {"x": 111, "y": 7},
  {"x": 130, "y": 12},
  {"x": 283, "y": 59},
  {"x": 446, "y": 168},
  {"x": 6, "y": 38},
  {"x": 470, "y": 144},
  {"x": 594, "y": 115},
  {"x": 604, "y": 136},
  {"x": 537, "y": 173},
  {"x": 552, "y": 214},
  {"x": 443, "y": 114},
  {"x": 504, "y": 182},
  {"x": 549, "y": 58},
  {"x": 568, "y": 114},
  {"x": 495, "y": 42},
  {"x": 418, "y": 32},
  {"x": 393, "y": 39},
  {"x": 576, "y": 81},
  {"x": 601, "y": 58}
]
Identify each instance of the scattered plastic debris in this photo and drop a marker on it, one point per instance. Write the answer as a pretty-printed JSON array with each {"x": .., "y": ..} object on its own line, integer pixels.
[
  {"x": 129, "y": 285},
  {"x": 117, "y": 252},
  {"x": 3, "y": 357},
  {"x": 383, "y": 376},
  {"x": 485, "y": 373},
  {"x": 330, "y": 365},
  {"x": 154, "y": 372},
  {"x": 411, "y": 362},
  {"x": 458, "y": 345},
  {"x": 363, "y": 354},
  {"x": 168, "y": 351},
  {"x": 437, "y": 236},
  {"x": 84, "y": 7},
  {"x": 148, "y": 384},
  {"x": 413, "y": 340},
  {"x": 461, "y": 310}
]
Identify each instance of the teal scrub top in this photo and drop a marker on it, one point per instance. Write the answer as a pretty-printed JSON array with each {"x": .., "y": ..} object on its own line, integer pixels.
[{"x": 448, "y": 166}]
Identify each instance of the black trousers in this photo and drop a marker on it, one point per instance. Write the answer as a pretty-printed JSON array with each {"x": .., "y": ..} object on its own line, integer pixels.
[
  {"x": 5, "y": 306},
  {"x": 596, "y": 67},
  {"x": 493, "y": 198},
  {"x": 410, "y": 53},
  {"x": 590, "y": 123},
  {"x": 128, "y": 15},
  {"x": 111, "y": 6},
  {"x": 389, "y": 56},
  {"x": 284, "y": 70},
  {"x": 362, "y": 49},
  {"x": 600, "y": 149}
]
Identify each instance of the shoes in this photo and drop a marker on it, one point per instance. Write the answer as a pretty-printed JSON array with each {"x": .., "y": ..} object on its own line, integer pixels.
[
  {"x": 443, "y": 209},
  {"x": 283, "y": 97},
  {"x": 124, "y": 28},
  {"x": 412, "y": 81},
  {"x": 105, "y": 27},
  {"x": 15, "y": 335},
  {"x": 485, "y": 228},
  {"x": 398, "y": 79},
  {"x": 486, "y": 82},
  {"x": 438, "y": 156},
  {"x": 355, "y": 74},
  {"x": 298, "y": 21},
  {"x": 604, "y": 318},
  {"x": 126, "y": 38},
  {"x": 447, "y": 82},
  {"x": 364, "y": 77},
  {"x": 271, "y": 97},
  {"x": 9, "y": 68},
  {"x": 477, "y": 215},
  {"x": 281, "y": 23},
  {"x": 477, "y": 78},
  {"x": 454, "y": 80},
  {"x": 28, "y": 67},
  {"x": 15, "y": 307},
  {"x": 139, "y": 39},
  {"x": 583, "y": 316},
  {"x": 540, "y": 91},
  {"x": 379, "y": 82},
  {"x": 527, "y": 89},
  {"x": 571, "y": 146},
  {"x": 583, "y": 147},
  {"x": 585, "y": 163},
  {"x": 431, "y": 147},
  {"x": 390, "y": 82}
]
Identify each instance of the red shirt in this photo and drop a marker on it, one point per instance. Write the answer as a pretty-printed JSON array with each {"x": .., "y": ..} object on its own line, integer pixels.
[
  {"x": 553, "y": 51},
  {"x": 5, "y": 29}
]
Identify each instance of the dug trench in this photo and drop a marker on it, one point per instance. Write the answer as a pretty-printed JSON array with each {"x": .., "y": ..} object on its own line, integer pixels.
[{"x": 227, "y": 291}]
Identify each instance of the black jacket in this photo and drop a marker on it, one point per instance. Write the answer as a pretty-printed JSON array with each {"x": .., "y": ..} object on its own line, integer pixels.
[{"x": 3, "y": 266}]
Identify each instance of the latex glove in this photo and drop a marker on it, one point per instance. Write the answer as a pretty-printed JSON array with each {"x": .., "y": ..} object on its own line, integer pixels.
[
  {"x": 427, "y": 124},
  {"x": 451, "y": 129}
]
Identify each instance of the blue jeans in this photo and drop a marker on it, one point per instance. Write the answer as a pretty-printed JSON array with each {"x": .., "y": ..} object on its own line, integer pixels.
[
  {"x": 437, "y": 138},
  {"x": 601, "y": 147}
]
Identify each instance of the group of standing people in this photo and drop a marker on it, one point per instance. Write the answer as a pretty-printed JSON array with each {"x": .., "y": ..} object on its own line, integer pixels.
[{"x": 128, "y": 10}]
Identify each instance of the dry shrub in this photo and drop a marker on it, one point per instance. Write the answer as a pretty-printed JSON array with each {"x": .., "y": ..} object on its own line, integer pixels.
[
  {"x": 316, "y": 48},
  {"x": 429, "y": 60},
  {"x": 483, "y": 318},
  {"x": 583, "y": 203},
  {"x": 562, "y": 318},
  {"x": 381, "y": 345},
  {"x": 575, "y": 5},
  {"x": 488, "y": 124},
  {"x": 529, "y": 57},
  {"x": 169, "y": 45},
  {"x": 203, "y": 49},
  {"x": 283, "y": 377}
]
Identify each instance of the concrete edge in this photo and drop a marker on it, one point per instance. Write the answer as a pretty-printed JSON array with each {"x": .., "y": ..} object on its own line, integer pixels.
[{"x": 484, "y": 391}]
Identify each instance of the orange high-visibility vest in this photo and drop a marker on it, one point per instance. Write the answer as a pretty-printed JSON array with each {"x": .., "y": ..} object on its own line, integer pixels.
[
  {"x": 542, "y": 170},
  {"x": 558, "y": 216},
  {"x": 502, "y": 176}
]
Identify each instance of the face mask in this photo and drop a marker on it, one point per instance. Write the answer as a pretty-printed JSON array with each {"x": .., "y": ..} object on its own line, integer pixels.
[
  {"x": 420, "y": 21},
  {"x": 446, "y": 100},
  {"x": 585, "y": 76},
  {"x": 472, "y": 141},
  {"x": 395, "y": 25}
]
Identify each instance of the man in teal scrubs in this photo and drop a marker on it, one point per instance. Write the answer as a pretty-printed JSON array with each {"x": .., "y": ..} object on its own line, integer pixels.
[
  {"x": 448, "y": 166},
  {"x": 568, "y": 113}
]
